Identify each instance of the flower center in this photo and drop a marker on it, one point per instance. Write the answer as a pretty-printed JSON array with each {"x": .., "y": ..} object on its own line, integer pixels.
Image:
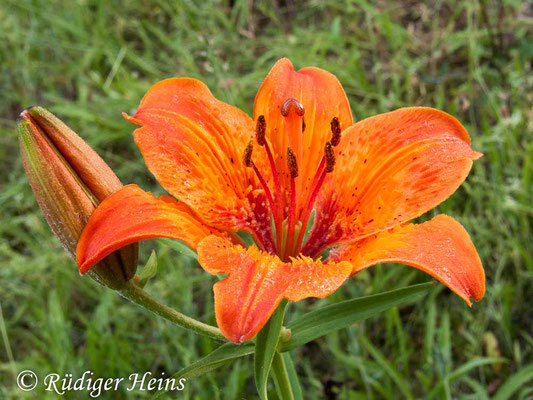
[{"x": 290, "y": 206}]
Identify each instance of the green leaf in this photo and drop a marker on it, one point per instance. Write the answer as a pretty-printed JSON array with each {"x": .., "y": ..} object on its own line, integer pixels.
[
  {"x": 293, "y": 376},
  {"x": 286, "y": 378},
  {"x": 225, "y": 353},
  {"x": 179, "y": 247},
  {"x": 462, "y": 371},
  {"x": 387, "y": 367},
  {"x": 514, "y": 383},
  {"x": 327, "y": 319},
  {"x": 149, "y": 270},
  {"x": 265, "y": 347}
]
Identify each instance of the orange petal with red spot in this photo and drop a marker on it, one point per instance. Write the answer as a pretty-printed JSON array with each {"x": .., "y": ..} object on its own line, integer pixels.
[
  {"x": 390, "y": 169},
  {"x": 440, "y": 247},
  {"x": 193, "y": 144},
  {"x": 257, "y": 282},
  {"x": 131, "y": 215},
  {"x": 323, "y": 98}
]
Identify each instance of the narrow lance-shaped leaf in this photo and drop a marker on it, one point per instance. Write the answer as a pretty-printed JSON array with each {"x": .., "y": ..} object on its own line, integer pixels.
[
  {"x": 225, "y": 353},
  {"x": 179, "y": 246},
  {"x": 285, "y": 377},
  {"x": 327, "y": 319},
  {"x": 265, "y": 348},
  {"x": 514, "y": 382},
  {"x": 463, "y": 371},
  {"x": 388, "y": 368}
]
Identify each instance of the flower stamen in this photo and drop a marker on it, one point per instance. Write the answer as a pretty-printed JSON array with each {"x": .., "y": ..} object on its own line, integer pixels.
[
  {"x": 329, "y": 156},
  {"x": 247, "y": 160},
  {"x": 290, "y": 231},
  {"x": 247, "y": 157},
  {"x": 260, "y": 130},
  {"x": 292, "y": 165},
  {"x": 326, "y": 166},
  {"x": 335, "y": 131},
  {"x": 278, "y": 210}
]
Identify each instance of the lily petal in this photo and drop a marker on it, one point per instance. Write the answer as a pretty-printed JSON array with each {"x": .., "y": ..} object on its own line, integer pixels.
[
  {"x": 131, "y": 215},
  {"x": 193, "y": 144},
  {"x": 440, "y": 247},
  {"x": 258, "y": 281},
  {"x": 390, "y": 169},
  {"x": 323, "y": 98}
]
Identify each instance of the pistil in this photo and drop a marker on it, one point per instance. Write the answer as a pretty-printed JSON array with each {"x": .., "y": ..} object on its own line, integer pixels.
[{"x": 293, "y": 111}]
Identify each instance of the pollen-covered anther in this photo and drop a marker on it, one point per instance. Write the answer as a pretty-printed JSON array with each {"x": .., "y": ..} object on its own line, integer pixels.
[
  {"x": 335, "y": 131},
  {"x": 291, "y": 163},
  {"x": 260, "y": 130},
  {"x": 247, "y": 156},
  {"x": 330, "y": 157},
  {"x": 292, "y": 105}
]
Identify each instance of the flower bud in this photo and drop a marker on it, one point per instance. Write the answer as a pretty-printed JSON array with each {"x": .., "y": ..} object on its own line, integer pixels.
[{"x": 69, "y": 180}]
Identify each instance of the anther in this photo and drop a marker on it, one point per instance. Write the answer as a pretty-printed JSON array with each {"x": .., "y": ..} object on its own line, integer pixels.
[
  {"x": 291, "y": 163},
  {"x": 335, "y": 131},
  {"x": 330, "y": 157},
  {"x": 303, "y": 125},
  {"x": 292, "y": 104},
  {"x": 260, "y": 130},
  {"x": 247, "y": 157}
]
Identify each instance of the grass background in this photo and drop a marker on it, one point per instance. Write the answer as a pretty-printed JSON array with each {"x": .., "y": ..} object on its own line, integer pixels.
[{"x": 87, "y": 61}]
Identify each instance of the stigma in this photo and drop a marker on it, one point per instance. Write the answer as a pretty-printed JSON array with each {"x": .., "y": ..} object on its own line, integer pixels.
[{"x": 292, "y": 105}]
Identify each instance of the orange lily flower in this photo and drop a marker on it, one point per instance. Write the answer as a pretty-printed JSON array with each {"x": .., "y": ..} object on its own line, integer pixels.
[{"x": 300, "y": 154}]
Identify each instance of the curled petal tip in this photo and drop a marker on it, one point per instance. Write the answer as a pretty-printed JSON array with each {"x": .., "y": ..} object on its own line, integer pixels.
[
  {"x": 440, "y": 247},
  {"x": 476, "y": 155},
  {"x": 131, "y": 119}
]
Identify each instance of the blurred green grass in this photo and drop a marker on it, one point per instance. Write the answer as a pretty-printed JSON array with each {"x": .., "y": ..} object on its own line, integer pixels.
[{"x": 87, "y": 61}]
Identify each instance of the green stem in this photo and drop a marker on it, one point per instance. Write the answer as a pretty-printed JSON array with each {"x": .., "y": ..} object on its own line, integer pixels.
[
  {"x": 281, "y": 378},
  {"x": 139, "y": 296}
]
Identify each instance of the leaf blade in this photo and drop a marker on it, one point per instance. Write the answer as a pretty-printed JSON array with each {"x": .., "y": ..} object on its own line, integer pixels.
[
  {"x": 179, "y": 246},
  {"x": 265, "y": 348},
  {"x": 215, "y": 359},
  {"x": 327, "y": 319},
  {"x": 514, "y": 382},
  {"x": 285, "y": 376}
]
